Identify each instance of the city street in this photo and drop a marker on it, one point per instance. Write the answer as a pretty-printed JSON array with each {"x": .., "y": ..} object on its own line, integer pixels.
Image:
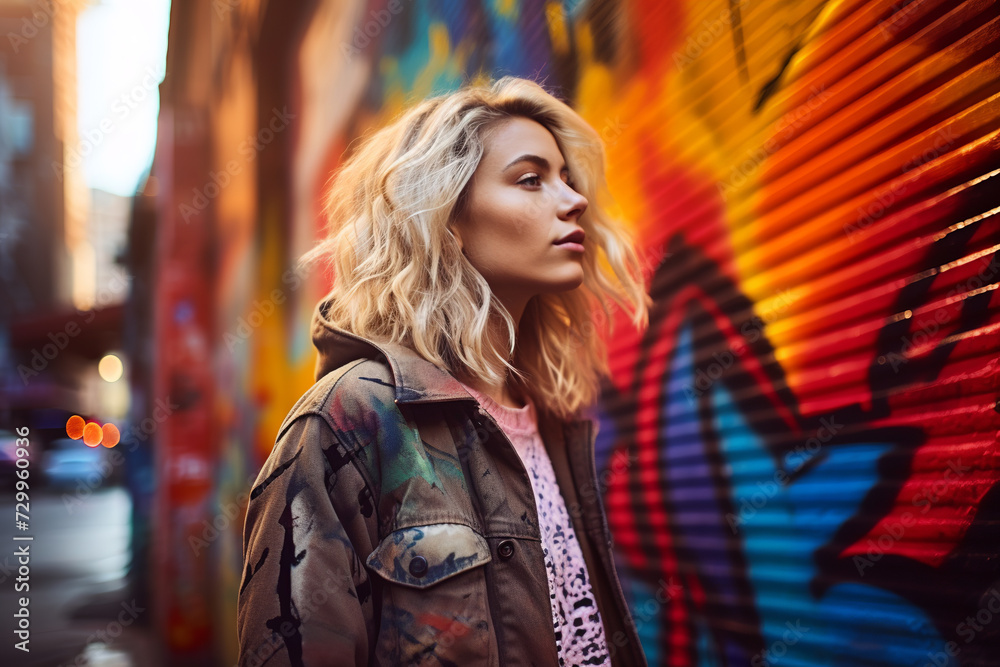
[{"x": 79, "y": 612}]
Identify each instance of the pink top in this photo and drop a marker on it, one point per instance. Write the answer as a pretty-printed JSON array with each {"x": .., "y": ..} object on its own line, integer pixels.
[{"x": 579, "y": 632}]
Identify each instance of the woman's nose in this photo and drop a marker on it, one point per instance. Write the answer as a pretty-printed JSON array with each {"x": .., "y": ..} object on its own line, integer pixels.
[{"x": 574, "y": 203}]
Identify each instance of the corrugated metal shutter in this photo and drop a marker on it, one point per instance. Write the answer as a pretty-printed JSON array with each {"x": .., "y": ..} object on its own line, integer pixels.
[{"x": 801, "y": 452}]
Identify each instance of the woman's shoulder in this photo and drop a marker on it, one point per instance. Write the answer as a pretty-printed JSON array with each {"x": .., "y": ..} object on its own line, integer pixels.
[
  {"x": 348, "y": 396},
  {"x": 338, "y": 417}
]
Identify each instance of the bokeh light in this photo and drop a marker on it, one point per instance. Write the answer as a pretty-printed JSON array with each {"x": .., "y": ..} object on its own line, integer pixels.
[
  {"x": 110, "y": 368},
  {"x": 111, "y": 435},
  {"x": 74, "y": 427},
  {"x": 92, "y": 434}
]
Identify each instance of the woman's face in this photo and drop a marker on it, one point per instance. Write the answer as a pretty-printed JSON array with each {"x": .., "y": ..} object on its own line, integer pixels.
[{"x": 519, "y": 205}]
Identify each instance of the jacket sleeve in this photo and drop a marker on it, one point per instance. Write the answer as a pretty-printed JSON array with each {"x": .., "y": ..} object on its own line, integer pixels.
[{"x": 305, "y": 595}]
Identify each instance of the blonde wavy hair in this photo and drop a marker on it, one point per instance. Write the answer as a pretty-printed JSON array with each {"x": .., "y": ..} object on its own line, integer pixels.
[{"x": 400, "y": 275}]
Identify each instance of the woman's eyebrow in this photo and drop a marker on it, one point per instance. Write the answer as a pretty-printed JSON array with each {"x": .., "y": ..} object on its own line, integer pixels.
[{"x": 537, "y": 159}]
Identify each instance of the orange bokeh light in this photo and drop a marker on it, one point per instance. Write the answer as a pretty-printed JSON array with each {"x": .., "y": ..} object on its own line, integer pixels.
[
  {"x": 111, "y": 435},
  {"x": 92, "y": 434},
  {"x": 74, "y": 427}
]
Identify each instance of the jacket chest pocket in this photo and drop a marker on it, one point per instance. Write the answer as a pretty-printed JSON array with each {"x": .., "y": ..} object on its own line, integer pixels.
[
  {"x": 422, "y": 556},
  {"x": 434, "y": 596}
]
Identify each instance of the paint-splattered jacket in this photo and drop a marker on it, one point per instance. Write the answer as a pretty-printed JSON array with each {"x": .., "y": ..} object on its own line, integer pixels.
[{"x": 393, "y": 524}]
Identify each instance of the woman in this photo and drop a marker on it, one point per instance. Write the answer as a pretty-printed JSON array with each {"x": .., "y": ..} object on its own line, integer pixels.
[{"x": 432, "y": 499}]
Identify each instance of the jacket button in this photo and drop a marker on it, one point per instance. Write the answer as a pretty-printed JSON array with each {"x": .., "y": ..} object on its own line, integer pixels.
[
  {"x": 506, "y": 549},
  {"x": 418, "y": 566}
]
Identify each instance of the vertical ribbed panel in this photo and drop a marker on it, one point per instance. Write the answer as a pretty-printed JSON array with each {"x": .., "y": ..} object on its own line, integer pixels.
[{"x": 801, "y": 451}]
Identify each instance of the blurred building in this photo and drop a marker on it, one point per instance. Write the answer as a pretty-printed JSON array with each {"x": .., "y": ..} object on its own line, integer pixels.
[
  {"x": 40, "y": 71},
  {"x": 55, "y": 325},
  {"x": 107, "y": 232}
]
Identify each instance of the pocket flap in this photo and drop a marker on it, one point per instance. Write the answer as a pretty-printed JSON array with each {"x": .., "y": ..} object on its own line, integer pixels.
[{"x": 421, "y": 556}]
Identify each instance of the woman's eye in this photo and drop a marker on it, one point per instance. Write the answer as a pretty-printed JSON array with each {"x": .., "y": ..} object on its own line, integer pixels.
[{"x": 537, "y": 181}]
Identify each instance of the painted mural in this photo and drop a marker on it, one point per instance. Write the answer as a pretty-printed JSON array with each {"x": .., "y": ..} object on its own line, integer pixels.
[{"x": 799, "y": 457}]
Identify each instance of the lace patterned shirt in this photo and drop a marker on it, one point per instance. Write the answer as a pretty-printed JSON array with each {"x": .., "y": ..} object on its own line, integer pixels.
[{"x": 579, "y": 631}]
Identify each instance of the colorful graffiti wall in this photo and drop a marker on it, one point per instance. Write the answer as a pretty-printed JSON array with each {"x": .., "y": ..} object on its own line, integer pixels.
[{"x": 800, "y": 455}]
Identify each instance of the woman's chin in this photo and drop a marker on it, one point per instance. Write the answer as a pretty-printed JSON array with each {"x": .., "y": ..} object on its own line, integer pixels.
[{"x": 570, "y": 282}]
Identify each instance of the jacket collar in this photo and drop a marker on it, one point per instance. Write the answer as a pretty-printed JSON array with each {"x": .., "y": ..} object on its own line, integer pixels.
[{"x": 416, "y": 379}]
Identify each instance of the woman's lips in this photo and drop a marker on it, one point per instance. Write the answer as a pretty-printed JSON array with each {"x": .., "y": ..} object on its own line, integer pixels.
[{"x": 575, "y": 236}]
